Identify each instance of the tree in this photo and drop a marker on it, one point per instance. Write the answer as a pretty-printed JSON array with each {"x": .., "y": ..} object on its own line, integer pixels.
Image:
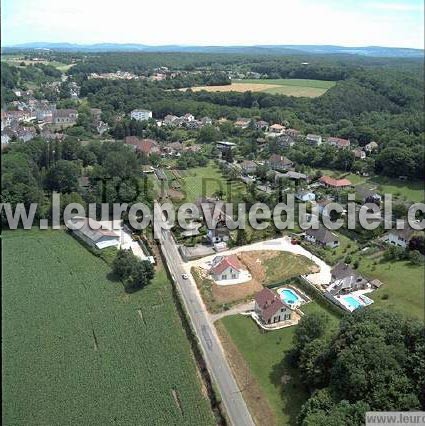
[
  {"x": 367, "y": 364},
  {"x": 309, "y": 328},
  {"x": 63, "y": 177},
  {"x": 241, "y": 238},
  {"x": 208, "y": 134},
  {"x": 134, "y": 273},
  {"x": 416, "y": 257},
  {"x": 417, "y": 242}
]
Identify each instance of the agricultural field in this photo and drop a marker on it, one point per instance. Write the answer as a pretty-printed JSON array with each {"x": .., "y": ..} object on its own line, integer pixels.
[
  {"x": 287, "y": 87},
  {"x": 78, "y": 350},
  {"x": 16, "y": 61},
  {"x": 270, "y": 385}
]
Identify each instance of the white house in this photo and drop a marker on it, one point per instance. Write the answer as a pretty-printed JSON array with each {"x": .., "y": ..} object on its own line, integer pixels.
[
  {"x": 141, "y": 114},
  {"x": 371, "y": 146},
  {"x": 400, "y": 237},
  {"x": 218, "y": 235},
  {"x": 314, "y": 139},
  {"x": 270, "y": 308},
  {"x": 305, "y": 196},
  {"x": 90, "y": 231},
  {"x": 226, "y": 268}
]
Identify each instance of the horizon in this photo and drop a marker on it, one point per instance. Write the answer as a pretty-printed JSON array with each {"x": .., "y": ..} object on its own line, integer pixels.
[
  {"x": 352, "y": 24},
  {"x": 184, "y": 45}
]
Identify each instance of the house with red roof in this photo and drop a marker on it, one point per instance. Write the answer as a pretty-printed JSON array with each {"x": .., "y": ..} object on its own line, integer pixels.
[
  {"x": 270, "y": 308},
  {"x": 335, "y": 183},
  {"x": 147, "y": 146},
  {"x": 226, "y": 268}
]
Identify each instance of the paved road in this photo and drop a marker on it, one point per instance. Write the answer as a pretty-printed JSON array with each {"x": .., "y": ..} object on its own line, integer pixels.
[{"x": 218, "y": 367}]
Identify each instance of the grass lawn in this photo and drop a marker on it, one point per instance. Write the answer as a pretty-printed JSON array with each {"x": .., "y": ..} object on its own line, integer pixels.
[
  {"x": 286, "y": 265},
  {"x": 78, "y": 350},
  {"x": 410, "y": 190},
  {"x": 264, "y": 353},
  {"x": 403, "y": 285},
  {"x": 205, "y": 181}
]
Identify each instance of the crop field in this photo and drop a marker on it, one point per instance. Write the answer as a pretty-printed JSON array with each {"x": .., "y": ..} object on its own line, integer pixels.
[
  {"x": 77, "y": 350},
  {"x": 287, "y": 87}
]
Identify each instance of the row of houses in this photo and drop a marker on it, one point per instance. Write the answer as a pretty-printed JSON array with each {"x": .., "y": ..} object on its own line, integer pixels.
[{"x": 150, "y": 146}]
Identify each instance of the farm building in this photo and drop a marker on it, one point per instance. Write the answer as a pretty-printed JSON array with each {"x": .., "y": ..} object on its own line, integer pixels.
[{"x": 90, "y": 232}]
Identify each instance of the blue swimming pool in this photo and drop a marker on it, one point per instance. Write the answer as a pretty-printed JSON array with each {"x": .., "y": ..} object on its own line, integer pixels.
[
  {"x": 352, "y": 302},
  {"x": 289, "y": 296}
]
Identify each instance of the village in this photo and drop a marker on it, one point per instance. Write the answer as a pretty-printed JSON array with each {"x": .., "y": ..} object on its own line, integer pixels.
[
  {"x": 214, "y": 257},
  {"x": 341, "y": 285},
  {"x": 198, "y": 249}
]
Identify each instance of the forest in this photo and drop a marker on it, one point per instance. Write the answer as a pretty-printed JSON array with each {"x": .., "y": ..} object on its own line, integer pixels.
[{"x": 366, "y": 365}]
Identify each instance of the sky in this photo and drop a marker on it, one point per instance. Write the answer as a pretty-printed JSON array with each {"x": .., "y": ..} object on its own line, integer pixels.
[{"x": 392, "y": 23}]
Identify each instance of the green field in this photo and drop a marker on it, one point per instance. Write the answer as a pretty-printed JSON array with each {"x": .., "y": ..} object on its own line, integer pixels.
[
  {"x": 264, "y": 352},
  {"x": 77, "y": 350},
  {"x": 403, "y": 285},
  {"x": 206, "y": 181},
  {"x": 293, "y": 85},
  {"x": 16, "y": 60}
]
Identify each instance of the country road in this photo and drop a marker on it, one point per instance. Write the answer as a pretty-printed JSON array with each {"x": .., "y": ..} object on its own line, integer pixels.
[{"x": 214, "y": 356}]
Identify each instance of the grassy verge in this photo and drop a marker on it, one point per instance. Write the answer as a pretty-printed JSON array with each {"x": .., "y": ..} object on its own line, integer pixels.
[{"x": 258, "y": 360}]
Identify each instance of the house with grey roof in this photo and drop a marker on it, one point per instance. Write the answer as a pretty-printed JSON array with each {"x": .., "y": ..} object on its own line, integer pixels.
[{"x": 322, "y": 236}]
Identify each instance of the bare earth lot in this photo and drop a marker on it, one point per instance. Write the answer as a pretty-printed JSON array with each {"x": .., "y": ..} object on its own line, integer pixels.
[{"x": 265, "y": 266}]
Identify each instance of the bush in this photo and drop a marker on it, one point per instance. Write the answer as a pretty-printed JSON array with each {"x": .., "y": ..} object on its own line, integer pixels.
[
  {"x": 134, "y": 273},
  {"x": 415, "y": 257}
]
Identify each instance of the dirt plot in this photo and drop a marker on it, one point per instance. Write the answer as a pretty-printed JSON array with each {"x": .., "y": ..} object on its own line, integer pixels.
[
  {"x": 233, "y": 293},
  {"x": 265, "y": 266}
]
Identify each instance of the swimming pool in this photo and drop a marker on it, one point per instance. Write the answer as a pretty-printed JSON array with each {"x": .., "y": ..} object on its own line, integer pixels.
[
  {"x": 289, "y": 296},
  {"x": 352, "y": 302}
]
